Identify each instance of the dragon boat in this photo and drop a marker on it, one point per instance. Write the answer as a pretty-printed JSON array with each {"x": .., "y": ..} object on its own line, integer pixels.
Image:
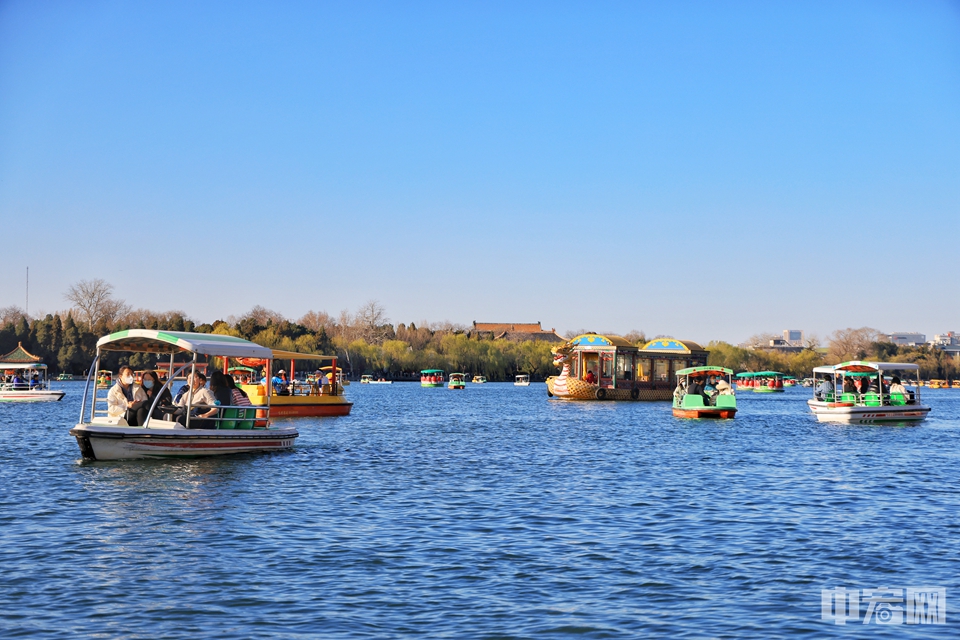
[
  {"x": 599, "y": 367},
  {"x": 694, "y": 405}
]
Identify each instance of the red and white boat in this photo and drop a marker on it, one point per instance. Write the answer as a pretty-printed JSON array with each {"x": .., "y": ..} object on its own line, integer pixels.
[
  {"x": 236, "y": 429},
  {"x": 875, "y": 401}
]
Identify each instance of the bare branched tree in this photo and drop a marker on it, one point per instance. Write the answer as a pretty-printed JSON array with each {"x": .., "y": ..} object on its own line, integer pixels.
[
  {"x": 11, "y": 315},
  {"x": 316, "y": 320},
  {"x": 852, "y": 344},
  {"x": 94, "y": 302}
]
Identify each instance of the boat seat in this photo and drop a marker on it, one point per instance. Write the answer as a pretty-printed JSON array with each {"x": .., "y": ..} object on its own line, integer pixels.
[
  {"x": 727, "y": 401},
  {"x": 898, "y": 399},
  {"x": 692, "y": 401},
  {"x": 871, "y": 399},
  {"x": 848, "y": 397},
  {"x": 245, "y": 418},
  {"x": 228, "y": 419},
  {"x": 829, "y": 397}
]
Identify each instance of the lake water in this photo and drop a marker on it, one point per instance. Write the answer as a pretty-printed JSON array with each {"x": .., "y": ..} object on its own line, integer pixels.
[{"x": 488, "y": 512}]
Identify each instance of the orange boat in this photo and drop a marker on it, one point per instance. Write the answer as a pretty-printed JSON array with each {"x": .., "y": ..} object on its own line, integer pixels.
[
  {"x": 297, "y": 398},
  {"x": 716, "y": 402}
]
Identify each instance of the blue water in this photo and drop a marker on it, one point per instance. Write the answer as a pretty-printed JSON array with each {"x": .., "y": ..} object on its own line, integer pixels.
[{"x": 489, "y": 512}]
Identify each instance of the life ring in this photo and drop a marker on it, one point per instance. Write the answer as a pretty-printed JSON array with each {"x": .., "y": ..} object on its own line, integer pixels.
[
  {"x": 634, "y": 393},
  {"x": 601, "y": 394}
]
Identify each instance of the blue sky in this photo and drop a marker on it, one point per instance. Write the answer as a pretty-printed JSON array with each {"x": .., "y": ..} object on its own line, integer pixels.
[{"x": 708, "y": 170}]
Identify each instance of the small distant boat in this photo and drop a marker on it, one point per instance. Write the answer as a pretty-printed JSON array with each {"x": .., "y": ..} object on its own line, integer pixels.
[
  {"x": 25, "y": 378},
  {"x": 876, "y": 405},
  {"x": 956, "y": 384},
  {"x": 522, "y": 380},
  {"x": 381, "y": 381},
  {"x": 479, "y": 379},
  {"x": 65, "y": 377},
  {"x": 104, "y": 379},
  {"x": 720, "y": 404},
  {"x": 457, "y": 381},
  {"x": 366, "y": 379},
  {"x": 432, "y": 378},
  {"x": 761, "y": 381}
]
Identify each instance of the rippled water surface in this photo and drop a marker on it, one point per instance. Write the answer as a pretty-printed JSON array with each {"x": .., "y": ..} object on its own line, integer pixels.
[{"x": 488, "y": 512}]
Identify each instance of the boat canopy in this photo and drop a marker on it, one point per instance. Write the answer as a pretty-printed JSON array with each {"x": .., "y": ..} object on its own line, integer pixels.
[
  {"x": 759, "y": 374},
  {"x": 243, "y": 369},
  {"x": 709, "y": 371},
  {"x": 10, "y": 366},
  {"x": 431, "y": 371},
  {"x": 153, "y": 341},
  {"x": 862, "y": 366},
  {"x": 597, "y": 340},
  {"x": 296, "y": 355}
]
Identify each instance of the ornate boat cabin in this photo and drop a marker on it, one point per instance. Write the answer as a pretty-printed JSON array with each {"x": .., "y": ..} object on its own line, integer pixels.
[{"x": 598, "y": 367}]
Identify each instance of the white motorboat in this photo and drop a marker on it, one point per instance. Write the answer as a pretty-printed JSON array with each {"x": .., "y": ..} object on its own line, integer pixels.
[
  {"x": 235, "y": 429},
  {"x": 24, "y": 378},
  {"x": 522, "y": 380},
  {"x": 872, "y": 400}
]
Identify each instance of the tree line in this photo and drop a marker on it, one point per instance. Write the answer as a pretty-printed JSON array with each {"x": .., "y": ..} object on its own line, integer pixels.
[{"x": 367, "y": 342}]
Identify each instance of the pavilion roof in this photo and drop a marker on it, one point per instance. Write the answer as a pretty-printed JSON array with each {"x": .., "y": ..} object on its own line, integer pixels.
[{"x": 19, "y": 356}]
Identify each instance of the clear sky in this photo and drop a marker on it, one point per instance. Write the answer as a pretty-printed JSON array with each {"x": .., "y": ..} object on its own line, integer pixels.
[{"x": 707, "y": 170}]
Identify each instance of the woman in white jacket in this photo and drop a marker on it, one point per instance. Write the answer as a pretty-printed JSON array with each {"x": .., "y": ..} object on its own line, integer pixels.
[{"x": 125, "y": 397}]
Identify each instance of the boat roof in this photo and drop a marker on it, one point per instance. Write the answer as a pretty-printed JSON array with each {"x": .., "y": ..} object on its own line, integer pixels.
[
  {"x": 759, "y": 374},
  {"x": 247, "y": 369},
  {"x": 154, "y": 341},
  {"x": 597, "y": 340},
  {"x": 8, "y": 366},
  {"x": 863, "y": 366},
  {"x": 716, "y": 371},
  {"x": 431, "y": 371},
  {"x": 672, "y": 345},
  {"x": 279, "y": 354}
]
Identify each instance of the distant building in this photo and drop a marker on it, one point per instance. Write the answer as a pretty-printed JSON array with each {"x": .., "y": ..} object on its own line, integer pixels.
[
  {"x": 906, "y": 339},
  {"x": 948, "y": 342},
  {"x": 793, "y": 337},
  {"x": 516, "y": 331}
]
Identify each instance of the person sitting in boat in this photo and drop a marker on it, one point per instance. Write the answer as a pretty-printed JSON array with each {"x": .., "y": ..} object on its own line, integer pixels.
[
  {"x": 590, "y": 378},
  {"x": 724, "y": 388},
  {"x": 125, "y": 397},
  {"x": 849, "y": 386},
  {"x": 239, "y": 397},
  {"x": 152, "y": 387},
  {"x": 220, "y": 388},
  {"x": 204, "y": 403},
  {"x": 34, "y": 381},
  {"x": 680, "y": 391},
  {"x": 825, "y": 390},
  {"x": 896, "y": 387}
]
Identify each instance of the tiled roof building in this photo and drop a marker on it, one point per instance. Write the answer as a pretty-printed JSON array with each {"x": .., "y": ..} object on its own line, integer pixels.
[
  {"x": 19, "y": 356},
  {"x": 518, "y": 332}
]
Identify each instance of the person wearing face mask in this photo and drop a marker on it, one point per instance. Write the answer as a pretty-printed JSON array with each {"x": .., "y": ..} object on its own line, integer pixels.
[
  {"x": 124, "y": 397},
  {"x": 151, "y": 386},
  {"x": 204, "y": 403}
]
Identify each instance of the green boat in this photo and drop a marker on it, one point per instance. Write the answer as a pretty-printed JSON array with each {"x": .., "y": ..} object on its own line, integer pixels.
[
  {"x": 761, "y": 381},
  {"x": 432, "y": 378}
]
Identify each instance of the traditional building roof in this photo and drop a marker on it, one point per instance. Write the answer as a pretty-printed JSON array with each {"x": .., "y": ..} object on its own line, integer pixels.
[
  {"x": 526, "y": 336},
  {"x": 499, "y": 327},
  {"x": 19, "y": 356}
]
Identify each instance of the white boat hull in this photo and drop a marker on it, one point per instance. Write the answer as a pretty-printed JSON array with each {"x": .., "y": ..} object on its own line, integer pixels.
[
  {"x": 31, "y": 396},
  {"x": 855, "y": 414},
  {"x": 107, "y": 442}
]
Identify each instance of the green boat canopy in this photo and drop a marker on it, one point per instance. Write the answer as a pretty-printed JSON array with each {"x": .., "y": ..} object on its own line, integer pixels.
[
  {"x": 432, "y": 371},
  {"x": 760, "y": 374},
  {"x": 716, "y": 371}
]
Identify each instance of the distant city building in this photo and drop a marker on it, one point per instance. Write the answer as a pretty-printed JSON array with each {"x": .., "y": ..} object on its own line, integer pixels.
[
  {"x": 948, "y": 342},
  {"x": 793, "y": 337},
  {"x": 518, "y": 332},
  {"x": 906, "y": 339}
]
